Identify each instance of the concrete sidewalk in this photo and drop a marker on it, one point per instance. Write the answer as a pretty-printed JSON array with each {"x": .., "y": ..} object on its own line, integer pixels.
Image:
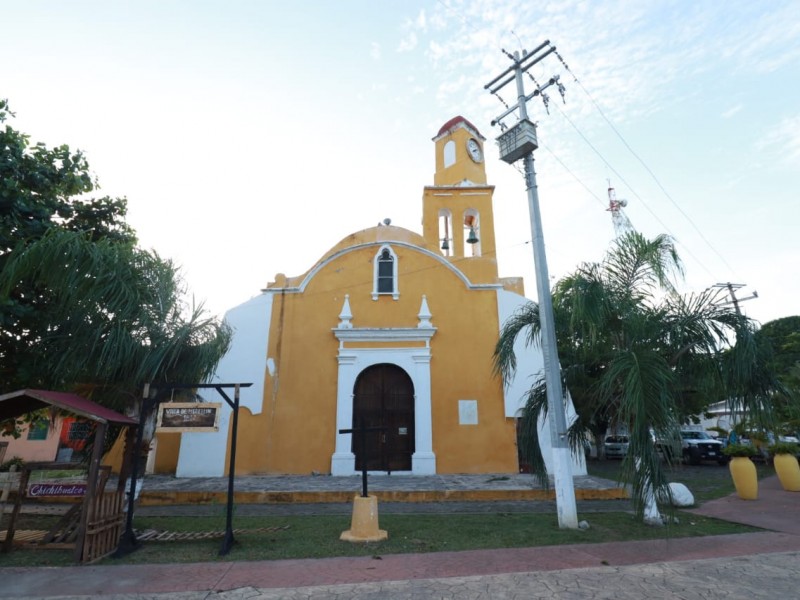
[
  {"x": 736, "y": 566},
  {"x": 275, "y": 579},
  {"x": 293, "y": 489}
]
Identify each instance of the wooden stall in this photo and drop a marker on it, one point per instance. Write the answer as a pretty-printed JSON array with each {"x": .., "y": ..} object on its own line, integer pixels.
[{"x": 94, "y": 524}]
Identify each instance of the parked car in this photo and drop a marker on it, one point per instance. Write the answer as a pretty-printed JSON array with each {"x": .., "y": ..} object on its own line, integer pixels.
[
  {"x": 616, "y": 446},
  {"x": 760, "y": 441},
  {"x": 698, "y": 446},
  {"x": 670, "y": 449}
]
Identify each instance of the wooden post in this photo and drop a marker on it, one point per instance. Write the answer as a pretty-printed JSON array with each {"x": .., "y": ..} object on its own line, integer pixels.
[
  {"x": 12, "y": 524},
  {"x": 91, "y": 488},
  {"x": 7, "y": 479}
]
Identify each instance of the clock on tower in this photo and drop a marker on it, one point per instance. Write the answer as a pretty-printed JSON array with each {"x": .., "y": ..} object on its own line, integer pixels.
[{"x": 459, "y": 154}]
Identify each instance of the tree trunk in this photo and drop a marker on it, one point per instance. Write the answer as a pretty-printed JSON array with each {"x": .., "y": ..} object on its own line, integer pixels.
[{"x": 652, "y": 516}]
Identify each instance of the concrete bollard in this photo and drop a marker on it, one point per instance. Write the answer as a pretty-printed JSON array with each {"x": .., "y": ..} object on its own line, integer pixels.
[{"x": 364, "y": 524}]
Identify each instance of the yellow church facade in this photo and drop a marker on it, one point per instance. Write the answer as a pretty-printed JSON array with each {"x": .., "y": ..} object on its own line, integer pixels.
[{"x": 390, "y": 330}]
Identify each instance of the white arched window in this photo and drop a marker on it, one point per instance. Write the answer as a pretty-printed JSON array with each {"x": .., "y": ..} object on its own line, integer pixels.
[
  {"x": 449, "y": 153},
  {"x": 385, "y": 274}
]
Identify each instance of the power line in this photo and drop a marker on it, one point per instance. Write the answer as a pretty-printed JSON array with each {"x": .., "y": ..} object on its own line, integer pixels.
[
  {"x": 467, "y": 23},
  {"x": 574, "y": 176},
  {"x": 635, "y": 193},
  {"x": 642, "y": 162}
]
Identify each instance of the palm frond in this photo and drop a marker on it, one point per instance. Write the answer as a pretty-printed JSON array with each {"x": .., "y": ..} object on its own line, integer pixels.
[
  {"x": 642, "y": 381},
  {"x": 524, "y": 319},
  {"x": 535, "y": 408},
  {"x": 118, "y": 318},
  {"x": 637, "y": 355}
]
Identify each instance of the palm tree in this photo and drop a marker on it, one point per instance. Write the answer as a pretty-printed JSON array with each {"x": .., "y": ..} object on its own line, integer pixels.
[
  {"x": 637, "y": 356},
  {"x": 117, "y": 319}
]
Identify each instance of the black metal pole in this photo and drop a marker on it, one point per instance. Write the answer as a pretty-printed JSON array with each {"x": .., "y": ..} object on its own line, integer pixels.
[
  {"x": 228, "y": 540},
  {"x": 127, "y": 541},
  {"x": 363, "y": 432}
]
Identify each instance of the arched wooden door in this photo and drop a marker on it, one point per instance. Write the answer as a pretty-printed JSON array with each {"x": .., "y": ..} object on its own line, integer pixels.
[{"x": 384, "y": 397}]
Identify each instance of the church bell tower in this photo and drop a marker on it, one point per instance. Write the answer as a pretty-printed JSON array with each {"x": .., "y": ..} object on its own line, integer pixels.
[{"x": 457, "y": 208}]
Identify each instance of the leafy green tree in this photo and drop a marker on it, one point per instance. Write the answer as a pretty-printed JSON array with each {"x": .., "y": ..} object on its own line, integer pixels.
[
  {"x": 638, "y": 356},
  {"x": 119, "y": 319},
  {"x": 83, "y": 308},
  {"x": 782, "y": 338},
  {"x": 42, "y": 188}
]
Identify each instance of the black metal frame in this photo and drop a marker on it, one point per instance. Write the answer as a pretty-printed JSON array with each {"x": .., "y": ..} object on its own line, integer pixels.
[{"x": 128, "y": 541}]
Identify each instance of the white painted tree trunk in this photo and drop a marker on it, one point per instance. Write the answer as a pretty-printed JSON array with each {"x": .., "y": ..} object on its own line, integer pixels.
[{"x": 652, "y": 516}]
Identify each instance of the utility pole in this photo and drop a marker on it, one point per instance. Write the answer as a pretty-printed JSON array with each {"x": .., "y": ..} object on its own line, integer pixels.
[
  {"x": 519, "y": 142},
  {"x": 732, "y": 287}
]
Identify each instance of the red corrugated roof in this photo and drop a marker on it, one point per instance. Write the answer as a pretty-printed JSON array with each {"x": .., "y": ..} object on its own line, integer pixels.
[{"x": 15, "y": 404}]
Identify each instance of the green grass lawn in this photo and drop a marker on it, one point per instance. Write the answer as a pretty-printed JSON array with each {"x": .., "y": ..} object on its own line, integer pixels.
[
  {"x": 706, "y": 481},
  {"x": 318, "y": 536}
]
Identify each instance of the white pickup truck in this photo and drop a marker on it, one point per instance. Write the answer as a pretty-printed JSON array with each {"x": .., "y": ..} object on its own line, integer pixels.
[{"x": 698, "y": 446}]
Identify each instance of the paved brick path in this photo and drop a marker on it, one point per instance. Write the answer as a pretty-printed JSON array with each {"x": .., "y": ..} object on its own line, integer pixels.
[{"x": 761, "y": 564}]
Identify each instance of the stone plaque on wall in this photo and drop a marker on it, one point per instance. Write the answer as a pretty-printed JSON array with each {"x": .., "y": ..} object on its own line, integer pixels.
[{"x": 467, "y": 412}]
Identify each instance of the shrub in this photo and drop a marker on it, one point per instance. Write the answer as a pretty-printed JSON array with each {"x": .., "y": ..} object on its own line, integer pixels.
[
  {"x": 784, "y": 448},
  {"x": 16, "y": 460},
  {"x": 739, "y": 450}
]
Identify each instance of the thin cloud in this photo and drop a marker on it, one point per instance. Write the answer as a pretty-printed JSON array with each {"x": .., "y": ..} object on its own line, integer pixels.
[
  {"x": 422, "y": 21},
  {"x": 783, "y": 142},
  {"x": 408, "y": 43},
  {"x": 731, "y": 111}
]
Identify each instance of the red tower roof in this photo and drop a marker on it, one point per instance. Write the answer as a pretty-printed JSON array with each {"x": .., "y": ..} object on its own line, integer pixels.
[{"x": 455, "y": 121}]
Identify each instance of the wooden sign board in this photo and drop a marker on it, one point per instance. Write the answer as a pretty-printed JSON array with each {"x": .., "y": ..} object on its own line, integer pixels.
[
  {"x": 52, "y": 489},
  {"x": 178, "y": 417}
]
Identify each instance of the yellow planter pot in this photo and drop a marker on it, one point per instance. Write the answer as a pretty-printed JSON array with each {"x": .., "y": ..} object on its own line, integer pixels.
[
  {"x": 744, "y": 476},
  {"x": 788, "y": 470}
]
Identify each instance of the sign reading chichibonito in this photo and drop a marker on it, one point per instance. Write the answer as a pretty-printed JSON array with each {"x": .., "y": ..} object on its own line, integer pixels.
[
  {"x": 188, "y": 416},
  {"x": 51, "y": 489}
]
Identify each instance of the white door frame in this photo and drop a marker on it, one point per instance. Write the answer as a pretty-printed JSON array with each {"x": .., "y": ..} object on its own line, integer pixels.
[{"x": 414, "y": 360}]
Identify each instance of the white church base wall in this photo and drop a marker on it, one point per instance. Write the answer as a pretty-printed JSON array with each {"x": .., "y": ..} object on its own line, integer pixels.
[
  {"x": 529, "y": 366},
  {"x": 343, "y": 464},
  {"x": 423, "y": 463},
  {"x": 204, "y": 454}
]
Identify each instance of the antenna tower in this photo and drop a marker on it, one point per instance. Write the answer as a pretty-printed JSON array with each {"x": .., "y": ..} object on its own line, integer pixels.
[{"x": 622, "y": 224}]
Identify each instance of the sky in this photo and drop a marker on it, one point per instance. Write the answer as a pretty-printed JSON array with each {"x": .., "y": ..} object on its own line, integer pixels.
[{"x": 250, "y": 137}]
